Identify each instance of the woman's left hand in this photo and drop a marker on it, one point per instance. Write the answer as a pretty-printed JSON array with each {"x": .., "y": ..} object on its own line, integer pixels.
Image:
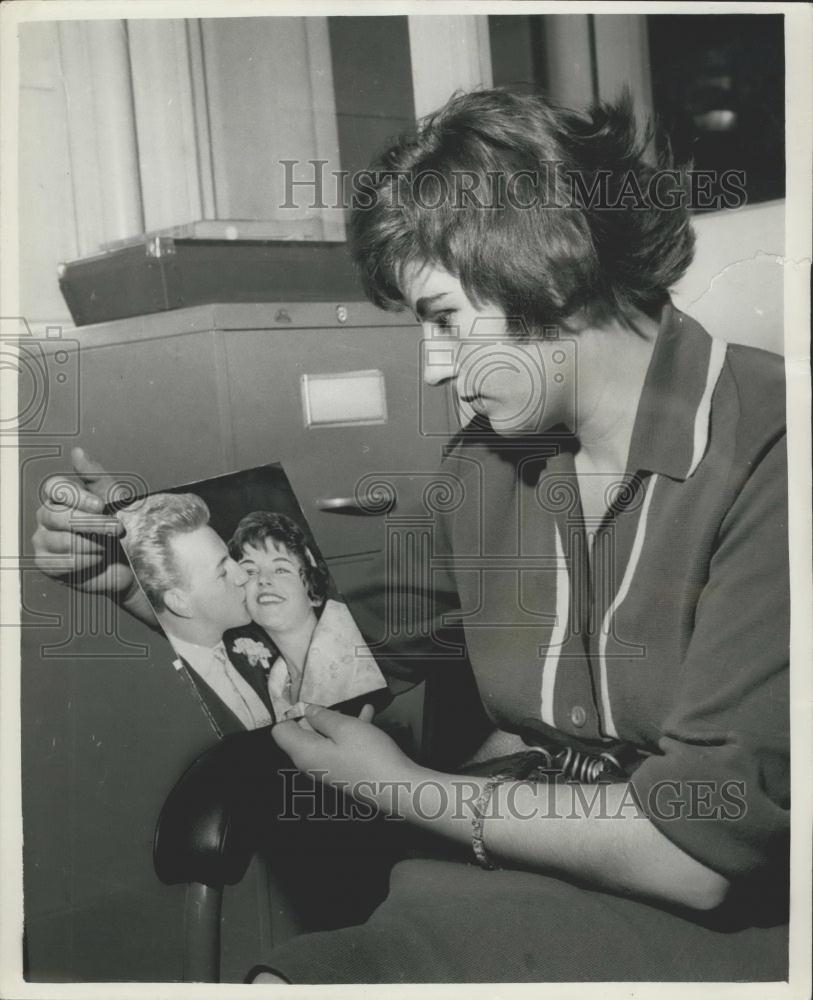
[{"x": 347, "y": 751}]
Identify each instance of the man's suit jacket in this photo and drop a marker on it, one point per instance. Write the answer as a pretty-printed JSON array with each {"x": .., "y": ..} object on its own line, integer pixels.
[{"x": 220, "y": 716}]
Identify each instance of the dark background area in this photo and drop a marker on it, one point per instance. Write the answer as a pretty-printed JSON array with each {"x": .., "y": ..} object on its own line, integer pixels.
[
  {"x": 719, "y": 89},
  {"x": 718, "y": 86}
]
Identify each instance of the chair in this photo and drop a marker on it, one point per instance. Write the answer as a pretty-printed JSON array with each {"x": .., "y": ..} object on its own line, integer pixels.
[
  {"x": 220, "y": 812},
  {"x": 206, "y": 836}
]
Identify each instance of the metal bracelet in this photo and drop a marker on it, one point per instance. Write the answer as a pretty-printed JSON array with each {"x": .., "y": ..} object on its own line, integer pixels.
[{"x": 478, "y": 816}]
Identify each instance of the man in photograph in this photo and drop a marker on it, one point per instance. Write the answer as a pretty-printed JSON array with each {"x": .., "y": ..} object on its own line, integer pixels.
[{"x": 198, "y": 593}]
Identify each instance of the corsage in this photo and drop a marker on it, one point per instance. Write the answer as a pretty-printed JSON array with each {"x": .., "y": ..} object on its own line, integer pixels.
[{"x": 255, "y": 652}]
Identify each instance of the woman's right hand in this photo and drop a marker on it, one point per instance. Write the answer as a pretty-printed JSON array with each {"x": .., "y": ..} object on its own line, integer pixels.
[{"x": 74, "y": 541}]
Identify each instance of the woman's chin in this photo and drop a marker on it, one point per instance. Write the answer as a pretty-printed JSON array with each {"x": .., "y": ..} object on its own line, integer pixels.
[{"x": 260, "y": 618}]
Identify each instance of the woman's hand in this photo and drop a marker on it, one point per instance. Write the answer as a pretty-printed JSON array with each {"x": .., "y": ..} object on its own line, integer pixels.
[
  {"x": 347, "y": 752},
  {"x": 70, "y": 537},
  {"x": 77, "y": 543}
]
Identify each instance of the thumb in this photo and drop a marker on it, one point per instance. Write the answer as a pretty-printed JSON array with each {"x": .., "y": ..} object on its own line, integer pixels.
[
  {"x": 91, "y": 473},
  {"x": 292, "y": 738},
  {"x": 325, "y": 721}
]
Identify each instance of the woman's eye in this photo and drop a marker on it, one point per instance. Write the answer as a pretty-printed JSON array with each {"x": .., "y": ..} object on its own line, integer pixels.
[
  {"x": 282, "y": 570},
  {"x": 443, "y": 319}
]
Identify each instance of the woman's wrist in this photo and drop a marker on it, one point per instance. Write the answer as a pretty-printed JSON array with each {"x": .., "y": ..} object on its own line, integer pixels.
[
  {"x": 442, "y": 803},
  {"x": 481, "y": 809},
  {"x": 395, "y": 795}
]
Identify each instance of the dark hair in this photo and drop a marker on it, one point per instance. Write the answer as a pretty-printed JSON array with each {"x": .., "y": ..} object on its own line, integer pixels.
[
  {"x": 530, "y": 238},
  {"x": 257, "y": 528}
]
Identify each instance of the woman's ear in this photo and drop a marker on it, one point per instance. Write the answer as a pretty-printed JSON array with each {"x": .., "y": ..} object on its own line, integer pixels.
[
  {"x": 177, "y": 601},
  {"x": 315, "y": 600},
  {"x": 576, "y": 322}
]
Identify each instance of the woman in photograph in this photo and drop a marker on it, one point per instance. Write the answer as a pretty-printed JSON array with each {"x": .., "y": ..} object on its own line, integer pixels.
[{"x": 322, "y": 659}]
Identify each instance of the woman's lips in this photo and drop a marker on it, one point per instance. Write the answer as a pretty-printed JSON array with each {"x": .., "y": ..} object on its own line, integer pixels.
[
  {"x": 270, "y": 599},
  {"x": 476, "y": 403}
]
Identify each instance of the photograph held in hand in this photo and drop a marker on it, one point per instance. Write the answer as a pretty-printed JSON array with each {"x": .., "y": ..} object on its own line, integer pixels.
[{"x": 252, "y": 614}]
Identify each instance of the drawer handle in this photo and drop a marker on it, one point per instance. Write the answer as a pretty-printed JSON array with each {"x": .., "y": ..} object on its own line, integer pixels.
[{"x": 381, "y": 499}]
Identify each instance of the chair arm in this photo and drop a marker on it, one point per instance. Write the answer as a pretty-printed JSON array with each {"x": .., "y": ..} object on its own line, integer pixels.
[{"x": 216, "y": 816}]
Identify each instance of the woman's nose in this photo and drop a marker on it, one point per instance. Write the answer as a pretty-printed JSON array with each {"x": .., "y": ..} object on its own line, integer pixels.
[{"x": 439, "y": 359}]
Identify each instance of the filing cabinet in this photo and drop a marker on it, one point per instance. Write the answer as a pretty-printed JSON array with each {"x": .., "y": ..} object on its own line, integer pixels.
[{"x": 195, "y": 393}]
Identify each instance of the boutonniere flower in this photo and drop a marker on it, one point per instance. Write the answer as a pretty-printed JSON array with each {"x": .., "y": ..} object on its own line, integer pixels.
[{"x": 254, "y": 651}]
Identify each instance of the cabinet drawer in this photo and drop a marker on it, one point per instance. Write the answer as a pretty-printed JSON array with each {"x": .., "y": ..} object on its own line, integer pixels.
[{"x": 329, "y": 462}]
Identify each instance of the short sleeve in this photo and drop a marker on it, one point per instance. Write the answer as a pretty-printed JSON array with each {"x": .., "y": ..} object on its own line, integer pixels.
[{"x": 719, "y": 788}]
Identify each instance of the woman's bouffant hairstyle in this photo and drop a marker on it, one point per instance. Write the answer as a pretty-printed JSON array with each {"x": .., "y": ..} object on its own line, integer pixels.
[
  {"x": 150, "y": 525},
  {"x": 262, "y": 526},
  {"x": 514, "y": 196}
]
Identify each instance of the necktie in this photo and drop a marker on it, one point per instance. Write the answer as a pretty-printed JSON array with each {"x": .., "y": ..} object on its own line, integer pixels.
[
  {"x": 254, "y": 675},
  {"x": 219, "y": 653}
]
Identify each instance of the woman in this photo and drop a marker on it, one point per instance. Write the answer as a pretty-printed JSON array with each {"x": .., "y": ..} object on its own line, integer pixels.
[
  {"x": 322, "y": 656},
  {"x": 618, "y": 556},
  {"x": 615, "y": 554}
]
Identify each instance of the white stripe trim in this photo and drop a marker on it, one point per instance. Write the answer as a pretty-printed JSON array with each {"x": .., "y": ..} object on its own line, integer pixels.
[
  {"x": 557, "y": 635},
  {"x": 620, "y": 597},
  {"x": 701, "y": 418}
]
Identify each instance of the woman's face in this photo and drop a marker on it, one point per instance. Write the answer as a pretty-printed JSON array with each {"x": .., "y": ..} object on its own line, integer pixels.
[
  {"x": 522, "y": 387},
  {"x": 276, "y": 592}
]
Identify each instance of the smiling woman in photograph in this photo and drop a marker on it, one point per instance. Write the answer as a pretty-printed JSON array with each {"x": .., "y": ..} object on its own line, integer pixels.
[{"x": 323, "y": 658}]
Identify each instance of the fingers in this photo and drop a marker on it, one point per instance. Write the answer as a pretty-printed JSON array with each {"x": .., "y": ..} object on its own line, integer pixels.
[
  {"x": 92, "y": 474},
  {"x": 61, "y": 543},
  {"x": 76, "y": 504},
  {"x": 61, "y": 553},
  {"x": 294, "y": 740},
  {"x": 59, "y": 493},
  {"x": 85, "y": 494},
  {"x": 57, "y": 518},
  {"x": 367, "y": 713},
  {"x": 326, "y": 721},
  {"x": 73, "y": 537}
]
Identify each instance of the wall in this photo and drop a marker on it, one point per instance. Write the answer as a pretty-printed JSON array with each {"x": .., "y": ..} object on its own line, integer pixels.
[
  {"x": 180, "y": 125},
  {"x": 143, "y": 125},
  {"x": 47, "y": 221}
]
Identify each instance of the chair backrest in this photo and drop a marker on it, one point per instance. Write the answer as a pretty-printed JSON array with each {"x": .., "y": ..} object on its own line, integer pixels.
[{"x": 735, "y": 284}]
